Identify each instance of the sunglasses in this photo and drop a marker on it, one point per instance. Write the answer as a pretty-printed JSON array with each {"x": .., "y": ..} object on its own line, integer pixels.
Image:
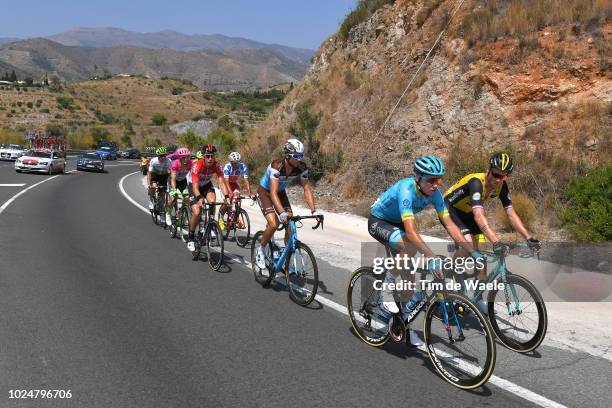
[
  {"x": 499, "y": 176},
  {"x": 296, "y": 156},
  {"x": 209, "y": 156},
  {"x": 433, "y": 180}
]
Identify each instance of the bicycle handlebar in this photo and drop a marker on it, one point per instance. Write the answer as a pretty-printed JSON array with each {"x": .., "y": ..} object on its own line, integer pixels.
[{"x": 319, "y": 219}]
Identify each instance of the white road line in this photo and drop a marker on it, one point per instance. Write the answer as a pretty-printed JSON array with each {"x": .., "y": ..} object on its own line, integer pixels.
[
  {"x": 13, "y": 198},
  {"x": 495, "y": 380},
  {"x": 13, "y": 185}
]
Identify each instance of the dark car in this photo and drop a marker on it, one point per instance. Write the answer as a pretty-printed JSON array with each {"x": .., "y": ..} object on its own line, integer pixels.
[
  {"x": 130, "y": 153},
  {"x": 107, "y": 153},
  {"x": 90, "y": 161}
]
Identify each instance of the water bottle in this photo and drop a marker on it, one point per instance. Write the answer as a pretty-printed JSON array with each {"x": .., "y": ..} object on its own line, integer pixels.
[{"x": 276, "y": 253}]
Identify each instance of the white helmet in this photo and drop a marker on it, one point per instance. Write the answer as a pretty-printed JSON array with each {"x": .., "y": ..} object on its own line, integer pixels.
[
  {"x": 294, "y": 146},
  {"x": 234, "y": 156}
]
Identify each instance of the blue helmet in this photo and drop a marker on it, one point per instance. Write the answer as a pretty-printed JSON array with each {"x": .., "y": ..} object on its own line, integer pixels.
[{"x": 428, "y": 166}]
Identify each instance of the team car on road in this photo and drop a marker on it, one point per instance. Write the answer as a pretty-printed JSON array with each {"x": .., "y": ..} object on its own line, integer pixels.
[
  {"x": 41, "y": 160},
  {"x": 90, "y": 161},
  {"x": 11, "y": 152}
]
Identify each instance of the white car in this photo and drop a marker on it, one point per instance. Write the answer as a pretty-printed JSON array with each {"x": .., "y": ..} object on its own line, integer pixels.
[
  {"x": 11, "y": 152},
  {"x": 41, "y": 160}
]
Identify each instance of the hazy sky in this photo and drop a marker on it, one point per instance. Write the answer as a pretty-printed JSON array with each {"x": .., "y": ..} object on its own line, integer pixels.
[{"x": 289, "y": 22}]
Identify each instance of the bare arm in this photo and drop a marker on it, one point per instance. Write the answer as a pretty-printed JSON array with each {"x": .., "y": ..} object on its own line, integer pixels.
[
  {"x": 516, "y": 223},
  {"x": 416, "y": 239},
  {"x": 455, "y": 233},
  {"x": 483, "y": 224},
  {"x": 308, "y": 195}
]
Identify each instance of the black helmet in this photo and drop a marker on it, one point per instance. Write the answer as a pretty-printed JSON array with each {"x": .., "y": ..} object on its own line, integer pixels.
[{"x": 501, "y": 162}]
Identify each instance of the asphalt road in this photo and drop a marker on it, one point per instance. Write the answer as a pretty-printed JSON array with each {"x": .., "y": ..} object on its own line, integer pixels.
[{"x": 97, "y": 300}]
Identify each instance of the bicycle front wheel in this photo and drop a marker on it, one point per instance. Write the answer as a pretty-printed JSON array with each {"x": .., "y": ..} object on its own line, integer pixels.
[
  {"x": 263, "y": 276},
  {"x": 302, "y": 275},
  {"x": 518, "y": 314},
  {"x": 242, "y": 226},
  {"x": 214, "y": 245},
  {"x": 364, "y": 304},
  {"x": 459, "y": 341}
]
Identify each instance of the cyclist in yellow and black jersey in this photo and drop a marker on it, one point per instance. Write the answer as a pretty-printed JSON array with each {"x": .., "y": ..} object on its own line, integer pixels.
[{"x": 465, "y": 200}]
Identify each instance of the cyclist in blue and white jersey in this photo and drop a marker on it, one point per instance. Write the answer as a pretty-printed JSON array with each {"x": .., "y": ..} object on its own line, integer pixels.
[
  {"x": 392, "y": 222},
  {"x": 272, "y": 194}
]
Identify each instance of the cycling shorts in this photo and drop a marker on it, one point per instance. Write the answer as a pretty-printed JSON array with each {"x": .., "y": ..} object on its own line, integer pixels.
[{"x": 267, "y": 206}]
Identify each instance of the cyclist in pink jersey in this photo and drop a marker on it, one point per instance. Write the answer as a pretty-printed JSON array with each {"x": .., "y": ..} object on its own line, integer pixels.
[{"x": 177, "y": 183}]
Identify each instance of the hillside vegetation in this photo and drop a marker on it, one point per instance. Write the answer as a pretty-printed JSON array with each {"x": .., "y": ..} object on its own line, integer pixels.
[
  {"x": 529, "y": 77},
  {"x": 134, "y": 111}
]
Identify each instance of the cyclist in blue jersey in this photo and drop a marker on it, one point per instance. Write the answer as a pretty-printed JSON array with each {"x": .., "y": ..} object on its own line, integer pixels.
[
  {"x": 273, "y": 197},
  {"x": 392, "y": 222}
]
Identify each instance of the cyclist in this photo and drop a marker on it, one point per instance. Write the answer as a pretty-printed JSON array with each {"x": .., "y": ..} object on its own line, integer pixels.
[
  {"x": 200, "y": 186},
  {"x": 465, "y": 201},
  {"x": 232, "y": 172},
  {"x": 273, "y": 197},
  {"x": 159, "y": 171},
  {"x": 181, "y": 166},
  {"x": 392, "y": 222}
]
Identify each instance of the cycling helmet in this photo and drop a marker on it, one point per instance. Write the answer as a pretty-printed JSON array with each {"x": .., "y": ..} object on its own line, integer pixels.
[
  {"x": 182, "y": 152},
  {"x": 428, "y": 166},
  {"x": 206, "y": 149},
  {"x": 501, "y": 162},
  {"x": 294, "y": 146},
  {"x": 160, "y": 151},
  {"x": 234, "y": 156}
]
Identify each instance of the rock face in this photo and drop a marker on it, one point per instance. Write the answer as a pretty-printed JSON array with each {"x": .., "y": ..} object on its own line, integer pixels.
[
  {"x": 519, "y": 92},
  {"x": 201, "y": 127}
]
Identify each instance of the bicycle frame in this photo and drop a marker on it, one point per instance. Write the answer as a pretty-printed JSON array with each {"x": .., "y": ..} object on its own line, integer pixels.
[
  {"x": 441, "y": 295},
  {"x": 500, "y": 270},
  {"x": 289, "y": 248}
]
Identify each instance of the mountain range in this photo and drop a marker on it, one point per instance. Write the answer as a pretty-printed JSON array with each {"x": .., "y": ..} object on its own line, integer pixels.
[
  {"x": 231, "y": 69},
  {"x": 114, "y": 37}
]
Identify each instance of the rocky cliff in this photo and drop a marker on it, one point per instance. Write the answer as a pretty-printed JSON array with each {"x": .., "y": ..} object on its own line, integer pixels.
[{"x": 531, "y": 77}]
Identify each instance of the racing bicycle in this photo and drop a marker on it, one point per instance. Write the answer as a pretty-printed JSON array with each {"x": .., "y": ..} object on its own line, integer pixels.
[
  {"x": 158, "y": 213},
  {"x": 209, "y": 235},
  {"x": 181, "y": 214},
  {"x": 515, "y": 307},
  {"x": 296, "y": 260},
  {"x": 236, "y": 221},
  {"x": 458, "y": 338}
]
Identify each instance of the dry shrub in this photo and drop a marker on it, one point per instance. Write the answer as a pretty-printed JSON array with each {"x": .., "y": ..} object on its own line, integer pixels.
[
  {"x": 353, "y": 188},
  {"x": 496, "y": 18},
  {"x": 10, "y": 136},
  {"x": 524, "y": 207},
  {"x": 362, "y": 207}
]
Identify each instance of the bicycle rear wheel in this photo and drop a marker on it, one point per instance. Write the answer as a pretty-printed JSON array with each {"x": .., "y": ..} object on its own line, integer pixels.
[
  {"x": 302, "y": 275},
  {"x": 214, "y": 245},
  {"x": 364, "y": 305},
  {"x": 518, "y": 314},
  {"x": 161, "y": 210},
  {"x": 183, "y": 224},
  {"x": 462, "y": 348},
  {"x": 263, "y": 276},
  {"x": 242, "y": 234}
]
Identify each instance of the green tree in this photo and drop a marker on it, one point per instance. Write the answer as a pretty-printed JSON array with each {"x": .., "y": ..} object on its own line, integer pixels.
[
  {"x": 13, "y": 77},
  {"x": 589, "y": 213},
  {"x": 54, "y": 129},
  {"x": 224, "y": 140},
  {"x": 126, "y": 140},
  {"x": 159, "y": 119},
  {"x": 99, "y": 134},
  {"x": 29, "y": 81},
  {"x": 190, "y": 140},
  {"x": 304, "y": 129}
]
